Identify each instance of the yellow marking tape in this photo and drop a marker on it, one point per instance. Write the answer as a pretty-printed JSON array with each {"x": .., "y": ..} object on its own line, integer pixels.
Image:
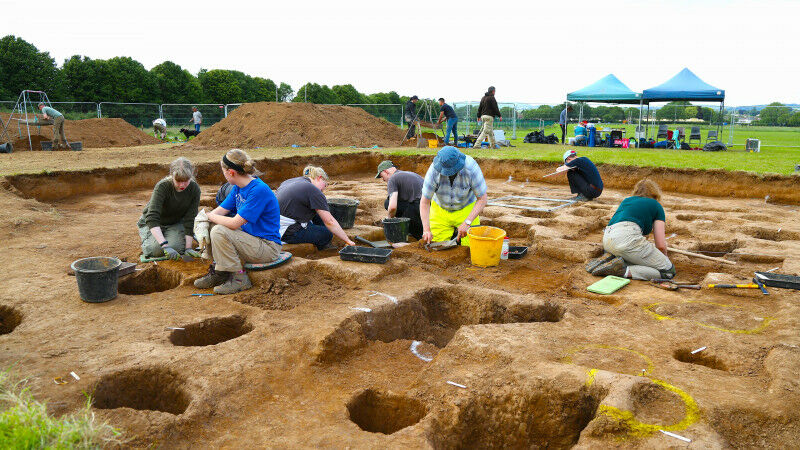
[
  {"x": 590, "y": 379},
  {"x": 755, "y": 330},
  {"x": 570, "y": 353},
  {"x": 640, "y": 429}
]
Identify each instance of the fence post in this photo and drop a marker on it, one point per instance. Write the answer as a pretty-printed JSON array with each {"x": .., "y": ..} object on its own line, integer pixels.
[
  {"x": 514, "y": 123},
  {"x": 100, "y": 110}
]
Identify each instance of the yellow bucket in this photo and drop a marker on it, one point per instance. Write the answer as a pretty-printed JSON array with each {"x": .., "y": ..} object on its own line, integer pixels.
[
  {"x": 485, "y": 245},
  {"x": 433, "y": 143}
]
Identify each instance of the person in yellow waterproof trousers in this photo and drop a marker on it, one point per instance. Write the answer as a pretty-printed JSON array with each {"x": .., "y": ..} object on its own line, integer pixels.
[{"x": 453, "y": 196}]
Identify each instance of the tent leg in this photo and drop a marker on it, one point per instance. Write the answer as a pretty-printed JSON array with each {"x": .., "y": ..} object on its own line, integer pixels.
[{"x": 639, "y": 127}]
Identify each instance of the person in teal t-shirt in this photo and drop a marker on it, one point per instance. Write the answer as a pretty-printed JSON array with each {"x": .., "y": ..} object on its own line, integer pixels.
[
  {"x": 629, "y": 253},
  {"x": 250, "y": 236},
  {"x": 59, "y": 138}
]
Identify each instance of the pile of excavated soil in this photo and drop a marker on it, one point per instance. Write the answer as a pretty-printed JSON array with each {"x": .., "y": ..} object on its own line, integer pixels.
[
  {"x": 304, "y": 124},
  {"x": 94, "y": 133}
]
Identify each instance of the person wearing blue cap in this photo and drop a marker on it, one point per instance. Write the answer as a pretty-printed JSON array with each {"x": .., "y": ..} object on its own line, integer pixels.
[{"x": 453, "y": 196}]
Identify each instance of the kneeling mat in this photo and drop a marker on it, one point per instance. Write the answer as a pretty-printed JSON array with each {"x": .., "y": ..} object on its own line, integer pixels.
[
  {"x": 144, "y": 259},
  {"x": 608, "y": 285},
  {"x": 282, "y": 258}
]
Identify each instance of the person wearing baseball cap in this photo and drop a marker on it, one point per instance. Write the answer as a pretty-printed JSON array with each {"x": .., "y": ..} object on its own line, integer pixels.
[
  {"x": 404, "y": 190},
  {"x": 584, "y": 179},
  {"x": 453, "y": 195}
]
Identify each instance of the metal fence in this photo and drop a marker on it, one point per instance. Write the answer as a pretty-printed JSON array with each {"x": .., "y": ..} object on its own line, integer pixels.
[
  {"x": 391, "y": 112},
  {"x": 180, "y": 114},
  {"x": 137, "y": 114},
  {"x": 467, "y": 113}
]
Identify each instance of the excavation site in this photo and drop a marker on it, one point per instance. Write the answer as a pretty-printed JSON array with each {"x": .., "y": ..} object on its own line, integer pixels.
[{"x": 425, "y": 350}]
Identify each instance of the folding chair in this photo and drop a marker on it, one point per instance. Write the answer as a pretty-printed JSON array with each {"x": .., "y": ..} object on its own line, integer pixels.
[
  {"x": 694, "y": 134},
  {"x": 662, "y": 132},
  {"x": 681, "y": 134},
  {"x": 712, "y": 134},
  {"x": 639, "y": 133}
]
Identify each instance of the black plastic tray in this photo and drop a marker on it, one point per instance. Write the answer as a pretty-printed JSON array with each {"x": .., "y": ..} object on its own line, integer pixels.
[
  {"x": 365, "y": 254},
  {"x": 778, "y": 280},
  {"x": 517, "y": 252}
]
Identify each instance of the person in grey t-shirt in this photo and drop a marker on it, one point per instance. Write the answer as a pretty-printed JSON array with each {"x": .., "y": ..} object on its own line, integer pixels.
[
  {"x": 305, "y": 217},
  {"x": 404, "y": 191}
]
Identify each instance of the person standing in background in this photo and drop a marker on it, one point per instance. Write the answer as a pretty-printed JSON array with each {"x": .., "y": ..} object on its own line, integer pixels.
[{"x": 487, "y": 111}]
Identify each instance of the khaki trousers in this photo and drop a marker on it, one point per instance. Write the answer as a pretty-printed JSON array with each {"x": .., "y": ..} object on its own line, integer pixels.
[
  {"x": 59, "y": 139},
  {"x": 486, "y": 132},
  {"x": 644, "y": 260},
  {"x": 232, "y": 248}
]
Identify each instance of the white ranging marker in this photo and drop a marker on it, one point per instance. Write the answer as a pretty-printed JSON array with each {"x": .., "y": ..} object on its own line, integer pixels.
[
  {"x": 174, "y": 328},
  {"x": 676, "y": 436},
  {"x": 456, "y": 384},
  {"x": 75, "y": 375},
  {"x": 699, "y": 350},
  {"x": 374, "y": 293},
  {"x": 361, "y": 308},
  {"x": 416, "y": 353}
]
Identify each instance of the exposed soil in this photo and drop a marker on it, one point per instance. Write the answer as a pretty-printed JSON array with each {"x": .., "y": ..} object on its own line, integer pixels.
[
  {"x": 94, "y": 133},
  {"x": 269, "y": 124},
  {"x": 424, "y": 351}
]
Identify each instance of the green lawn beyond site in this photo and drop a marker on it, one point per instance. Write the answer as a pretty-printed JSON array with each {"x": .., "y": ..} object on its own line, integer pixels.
[{"x": 778, "y": 152}]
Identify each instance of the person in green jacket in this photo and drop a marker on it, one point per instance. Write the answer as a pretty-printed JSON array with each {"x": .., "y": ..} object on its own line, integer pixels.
[{"x": 167, "y": 221}]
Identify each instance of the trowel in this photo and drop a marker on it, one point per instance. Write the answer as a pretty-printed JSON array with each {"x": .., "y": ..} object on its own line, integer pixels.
[
  {"x": 374, "y": 244},
  {"x": 443, "y": 245}
]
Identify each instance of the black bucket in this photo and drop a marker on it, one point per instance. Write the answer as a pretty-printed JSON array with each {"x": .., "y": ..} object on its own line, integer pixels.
[
  {"x": 97, "y": 278},
  {"x": 343, "y": 210},
  {"x": 6, "y": 148},
  {"x": 396, "y": 229}
]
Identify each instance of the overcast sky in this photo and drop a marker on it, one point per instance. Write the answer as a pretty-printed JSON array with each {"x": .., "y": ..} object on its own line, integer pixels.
[{"x": 533, "y": 52}]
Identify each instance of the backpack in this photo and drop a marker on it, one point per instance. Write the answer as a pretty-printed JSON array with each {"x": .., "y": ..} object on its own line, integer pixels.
[{"x": 715, "y": 146}]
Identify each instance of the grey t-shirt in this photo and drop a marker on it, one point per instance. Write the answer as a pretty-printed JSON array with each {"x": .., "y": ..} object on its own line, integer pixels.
[
  {"x": 408, "y": 186},
  {"x": 299, "y": 200}
]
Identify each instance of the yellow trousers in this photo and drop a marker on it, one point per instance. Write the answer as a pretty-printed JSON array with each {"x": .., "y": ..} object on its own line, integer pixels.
[{"x": 443, "y": 222}]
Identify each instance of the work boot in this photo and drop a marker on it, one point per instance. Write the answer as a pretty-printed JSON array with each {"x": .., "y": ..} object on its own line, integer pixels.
[
  {"x": 615, "y": 266},
  {"x": 581, "y": 198},
  {"x": 239, "y": 281},
  {"x": 212, "y": 278},
  {"x": 594, "y": 262}
]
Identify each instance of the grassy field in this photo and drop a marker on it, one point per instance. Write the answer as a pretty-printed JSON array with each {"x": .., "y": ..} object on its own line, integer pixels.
[{"x": 769, "y": 160}]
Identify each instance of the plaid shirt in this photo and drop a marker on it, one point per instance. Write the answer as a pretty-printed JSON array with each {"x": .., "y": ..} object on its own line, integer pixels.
[{"x": 467, "y": 186}]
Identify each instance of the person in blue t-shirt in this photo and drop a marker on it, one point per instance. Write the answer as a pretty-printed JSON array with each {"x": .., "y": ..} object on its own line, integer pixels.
[
  {"x": 584, "y": 179},
  {"x": 250, "y": 236},
  {"x": 447, "y": 112}
]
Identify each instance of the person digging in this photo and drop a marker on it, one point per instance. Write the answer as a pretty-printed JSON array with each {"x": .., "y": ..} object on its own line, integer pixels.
[
  {"x": 453, "y": 195},
  {"x": 404, "y": 190},
  {"x": 410, "y": 117},
  {"x": 628, "y": 252},
  {"x": 59, "y": 138},
  {"x": 584, "y": 179}
]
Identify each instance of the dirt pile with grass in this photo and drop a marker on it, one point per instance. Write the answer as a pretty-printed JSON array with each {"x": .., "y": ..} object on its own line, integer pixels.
[
  {"x": 304, "y": 124},
  {"x": 94, "y": 133}
]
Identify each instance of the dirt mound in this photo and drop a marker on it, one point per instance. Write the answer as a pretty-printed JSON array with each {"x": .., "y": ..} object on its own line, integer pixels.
[
  {"x": 305, "y": 124},
  {"x": 94, "y": 133}
]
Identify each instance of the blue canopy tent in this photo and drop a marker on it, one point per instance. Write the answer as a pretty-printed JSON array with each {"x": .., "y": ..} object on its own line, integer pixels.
[
  {"x": 683, "y": 86},
  {"x": 608, "y": 89}
]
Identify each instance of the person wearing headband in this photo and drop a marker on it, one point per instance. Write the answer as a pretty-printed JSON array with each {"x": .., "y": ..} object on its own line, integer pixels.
[{"x": 250, "y": 236}]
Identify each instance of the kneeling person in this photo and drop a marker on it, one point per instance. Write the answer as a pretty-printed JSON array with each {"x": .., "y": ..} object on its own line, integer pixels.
[
  {"x": 250, "y": 236},
  {"x": 305, "y": 217},
  {"x": 167, "y": 222},
  {"x": 404, "y": 191},
  {"x": 584, "y": 179},
  {"x": 453, "y": 196}
]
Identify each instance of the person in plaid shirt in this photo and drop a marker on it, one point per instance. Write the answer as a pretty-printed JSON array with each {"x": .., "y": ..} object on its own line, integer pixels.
[{"x": 453, "y": 196}]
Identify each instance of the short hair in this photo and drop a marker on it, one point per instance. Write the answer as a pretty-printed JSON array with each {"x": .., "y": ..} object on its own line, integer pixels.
[
  {"x": 491, "y": 89},
  {"x": 647, "y": 188},
  {"x": 441, "y": 99},
  {"x": 182, "y": 169},
  {"x": 41, "y": 103},
  {"x": 414, "y": 97},
  {"x": 314, "y": 172}
]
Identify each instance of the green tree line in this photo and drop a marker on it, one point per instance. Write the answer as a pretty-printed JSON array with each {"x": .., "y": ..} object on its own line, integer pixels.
[{"x": 123, "y": 79}]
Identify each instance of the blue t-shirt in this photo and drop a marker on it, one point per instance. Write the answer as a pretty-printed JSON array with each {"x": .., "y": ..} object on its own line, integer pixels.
[
  {"x": 257, "y": 204},
  {"x": 448, "y": 111},
  {"x": 589, "y": 171},
  {"x": 580, "y": 130}
]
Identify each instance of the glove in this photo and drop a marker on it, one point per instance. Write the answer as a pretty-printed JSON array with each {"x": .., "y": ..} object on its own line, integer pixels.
[
  {"x": 193, "y": 253},
  {"x": 171, "y": 253}
]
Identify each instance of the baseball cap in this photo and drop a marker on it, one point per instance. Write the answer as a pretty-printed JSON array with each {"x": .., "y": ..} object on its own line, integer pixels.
[
  {"x": 383, "y": 166},
  {"x": 569, "y": 153}
]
